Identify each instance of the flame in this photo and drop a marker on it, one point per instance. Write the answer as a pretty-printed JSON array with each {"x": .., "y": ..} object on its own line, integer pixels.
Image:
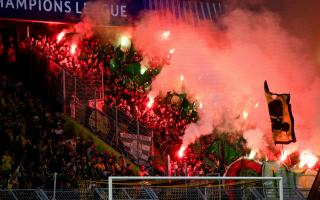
[
  {"x": 143, "y": 69},
  {"x": 283, "y": 156},
  {"x": 181, "y": 77},
  {"x": 150, "y": 102},
  {"x": 252, "y": 154},
  {"x": 73, "y": 49},
  {"x": 200, "y": 105},
  {"x": 256, "y": 105},
  {"x": 165, "y": 35},
  {"x": 308, "y": 159},
  {"x": 125, "y": 41},
  {"x": 171, "y": 51},
  {"x": 60, "y": 36},
  {"x": 245, "y": 114},
  {"x": 181, "y": 151}
]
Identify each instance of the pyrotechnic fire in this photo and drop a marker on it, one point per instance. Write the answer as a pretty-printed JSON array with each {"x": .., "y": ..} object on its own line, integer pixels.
[
  {"x": 125, "y": 41},
  {"x": 60, "y": 36},
  {"x": 143, "y": 69},
  {"x": 200, "y": 105},
  {"x": 150, "y": 102},
  {"x": 256, "y": 105},
  {"x": 171, "y": 51},
  {"x": 245, "y": 114},
  {"x": 73, "y": 49},
  {"x": 283, "y": 156},
  {"x": 252, "y": 154},
  {"x": 165, "y": 34},
  {"x": 308, "y": 159},
  {"x": 181, "y": 151},
  {"x": 181, "y": 77}
]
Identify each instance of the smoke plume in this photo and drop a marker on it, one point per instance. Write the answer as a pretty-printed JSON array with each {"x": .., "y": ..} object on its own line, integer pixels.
[{"x": 224, "y": 66}]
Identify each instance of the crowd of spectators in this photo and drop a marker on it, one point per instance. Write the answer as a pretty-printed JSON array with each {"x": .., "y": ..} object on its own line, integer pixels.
[
  {"x": 34, "y": 145},
  {"x": 168, "y": 120}
]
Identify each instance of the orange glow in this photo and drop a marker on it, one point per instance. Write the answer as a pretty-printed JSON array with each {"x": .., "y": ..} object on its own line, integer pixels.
[
  {"x": 171, "y": 51},
  {"x": 308, "y": 159},
  {"x": 252, "y": 154},
  {"x": 245, "y": 114},
  {"x": 181, "y": 151},
  {"x": 165, "y": 35},
  {"x": 60, "y": 36},
  {"x": 284, "y": 156},
  {"x": 150, "y": 102},
  {"x": 73, "y": 49}
]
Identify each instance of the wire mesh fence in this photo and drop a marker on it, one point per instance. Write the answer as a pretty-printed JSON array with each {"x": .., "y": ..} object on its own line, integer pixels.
[
  {"x": 200, "y": 188},
  {"x": 145, "y": 192}
]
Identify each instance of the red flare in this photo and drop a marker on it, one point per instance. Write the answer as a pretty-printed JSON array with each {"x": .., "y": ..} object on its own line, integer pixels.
[
  {"x": 60, "y": 36},
  {"x": 150, "y": 102},
  {"x": 181, "y": 151},
  {"x": 73, "y": 49},
  {"x": 308, "y": 159}
]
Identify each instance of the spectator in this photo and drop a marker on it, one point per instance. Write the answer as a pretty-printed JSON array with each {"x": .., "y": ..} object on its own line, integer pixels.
[{"x": 143, "y": 171}]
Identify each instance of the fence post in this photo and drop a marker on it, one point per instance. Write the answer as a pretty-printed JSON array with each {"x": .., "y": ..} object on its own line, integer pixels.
[
  {"x": 95, "y": 110},
  {"x": 138, "y": 141},
  {"x": 75, "y": 96},
  {"x": 102, "y": 82},
  {"x": 28, "y": 31},
  {"x": 64, "y": 90},
  {"x": 168, "y": 166},
  {"x": 54, "y": 185},
  {"x": 152, "y": 152},
  {"x": 116, "y": 125},
  {"x": 110, "y": 187},
  {"x": 281, "y": 188}
]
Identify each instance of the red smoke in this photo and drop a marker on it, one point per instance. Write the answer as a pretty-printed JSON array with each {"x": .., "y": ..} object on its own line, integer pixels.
[{"x": 225, "y": 67}]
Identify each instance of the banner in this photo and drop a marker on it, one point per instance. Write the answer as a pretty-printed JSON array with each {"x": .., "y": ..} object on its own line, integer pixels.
[
  {"x": 44, "y": 10},
  {"x": 119, "y": 11},
  {"x": 281, "y": 116},
  {"x": 137, "y": 148},
  {"x": 99, "y": 104},
  {"x": 68, "y": 10}
]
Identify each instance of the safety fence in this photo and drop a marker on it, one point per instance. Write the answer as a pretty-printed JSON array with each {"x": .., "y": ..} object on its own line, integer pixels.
[
  {"x": 200, "y": 188},
  {"x": 147, "y": 193}
]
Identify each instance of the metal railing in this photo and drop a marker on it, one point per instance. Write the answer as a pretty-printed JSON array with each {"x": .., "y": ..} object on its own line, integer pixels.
[{"x": 145, "y": 192}]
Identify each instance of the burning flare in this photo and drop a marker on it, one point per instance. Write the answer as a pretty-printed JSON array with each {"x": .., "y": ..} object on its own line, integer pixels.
[
  {"x": 284, "y": 156},
  {"x": 308, "y": 159},
  {"x": 73, "y": 49},
  {"x": 171, "y": 51},
  {"x": 125, "y": 41},
  {"x": 245, "y": 114},
  {"x": 60, "y": 36},
  {"x": 252, "y": 154},
  {"x": 165, "y": 35},
  {"x": 150, "y": 102},
  {"x": 181, "y": 151},
  {"x": 143, "y": 69}
]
